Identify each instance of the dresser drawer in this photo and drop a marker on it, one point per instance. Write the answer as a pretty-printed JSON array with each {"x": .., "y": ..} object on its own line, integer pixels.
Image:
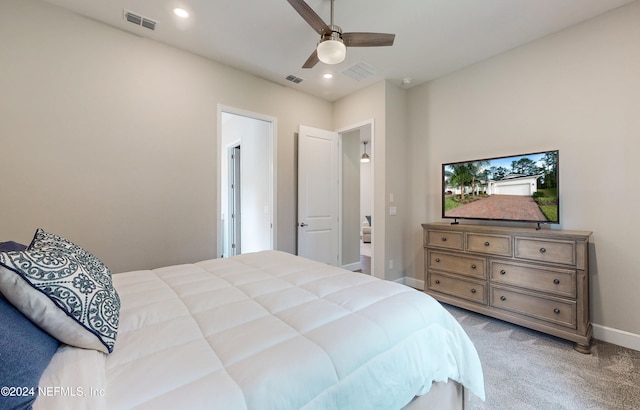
[
  {"x": 546, "y": 250},
  {"x": 489, "y": 244},
  {"x": 553, "y": 310},
  {"x": 460, "y": 288},
  {"x": 463, "y": 265},
  {"x": 556, "y": 281},
  {"x": 444, "y": 239}
]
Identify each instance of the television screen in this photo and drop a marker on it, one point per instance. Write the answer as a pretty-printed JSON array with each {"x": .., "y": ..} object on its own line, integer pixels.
[{"x": 521, "y": 188}]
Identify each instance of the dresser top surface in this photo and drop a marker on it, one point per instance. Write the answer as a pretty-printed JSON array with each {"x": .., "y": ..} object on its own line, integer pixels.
[{"x": 506, "y": 230}]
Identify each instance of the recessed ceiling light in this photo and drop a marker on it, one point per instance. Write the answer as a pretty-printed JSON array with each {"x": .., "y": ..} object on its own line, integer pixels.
[
  {"x": 181, "y": 13},
  {"x": 328, "y": 75}
]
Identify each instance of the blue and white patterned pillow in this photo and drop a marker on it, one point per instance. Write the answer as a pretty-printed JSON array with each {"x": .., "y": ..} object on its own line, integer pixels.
[{"x": 63, "y": 289}]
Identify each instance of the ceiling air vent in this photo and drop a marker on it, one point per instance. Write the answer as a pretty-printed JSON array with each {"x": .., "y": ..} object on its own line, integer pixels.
[
  {"x": 139, "y": 20},
  {"x": 294, "y": 79},
  {"x": 360, "y": 71}
]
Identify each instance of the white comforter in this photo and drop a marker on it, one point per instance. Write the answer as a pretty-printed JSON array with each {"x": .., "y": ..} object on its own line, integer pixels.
[{"x": 273, "y": 331}]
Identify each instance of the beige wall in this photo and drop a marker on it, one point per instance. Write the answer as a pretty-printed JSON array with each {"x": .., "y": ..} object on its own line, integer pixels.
[
  {"x": 398, "y": 240},
  {"x": 110, "y": 139},
  {"x": 577, "y": 91}
]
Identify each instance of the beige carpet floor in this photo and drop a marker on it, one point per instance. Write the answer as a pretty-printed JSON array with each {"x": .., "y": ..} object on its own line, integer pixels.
[{"x": 525, "y": 369}]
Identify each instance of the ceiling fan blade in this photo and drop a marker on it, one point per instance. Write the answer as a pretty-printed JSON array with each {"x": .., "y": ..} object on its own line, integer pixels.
[
  {"x": 312, "y": 60},
  {"x": 368, "y": 39},
  {"x": 310, "y": 16}
]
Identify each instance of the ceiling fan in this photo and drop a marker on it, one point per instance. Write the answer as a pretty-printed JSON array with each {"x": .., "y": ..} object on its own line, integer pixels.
[{"x": 332, "y": 47}]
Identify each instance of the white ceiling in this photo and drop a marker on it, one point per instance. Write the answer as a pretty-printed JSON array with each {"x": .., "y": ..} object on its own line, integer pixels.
[{"x": 269, "y": 39}]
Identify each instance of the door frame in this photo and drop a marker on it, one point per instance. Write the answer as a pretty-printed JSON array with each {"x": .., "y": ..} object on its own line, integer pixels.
[{"x": 221, "y": 151}]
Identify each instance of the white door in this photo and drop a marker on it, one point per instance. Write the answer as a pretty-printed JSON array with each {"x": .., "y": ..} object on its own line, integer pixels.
[
  {"x": 318, "y": 195},
  {"x": 235, "y": 201}
]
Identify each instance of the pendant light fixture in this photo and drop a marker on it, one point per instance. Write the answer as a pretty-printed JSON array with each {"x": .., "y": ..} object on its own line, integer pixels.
[{"x": 365, "y": 158}]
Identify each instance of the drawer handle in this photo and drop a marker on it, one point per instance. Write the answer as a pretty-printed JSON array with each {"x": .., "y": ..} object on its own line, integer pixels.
[
  {"x": 473, "y": 291},
  {"x": 556, "y": 311},
  {"x": 503, "y": 298},
  {"x": 556, "y": 281},
  {"x": 437, "y": 259},
  {"x": 503, "y": 272},
  {"x": 473, "y": 266},
  {"x": 437, "y": 281},
  {"x": 487, "y": 244},
  {"x": 444, "y": 239},
  {"x": 543, "y": 250}
]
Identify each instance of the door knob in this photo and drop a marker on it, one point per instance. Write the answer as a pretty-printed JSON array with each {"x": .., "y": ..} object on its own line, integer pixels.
[{"x": 302, "y": 224}]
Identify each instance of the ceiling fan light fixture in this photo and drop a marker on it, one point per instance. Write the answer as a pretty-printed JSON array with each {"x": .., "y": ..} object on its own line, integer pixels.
[{"x": 331, "y": 49}]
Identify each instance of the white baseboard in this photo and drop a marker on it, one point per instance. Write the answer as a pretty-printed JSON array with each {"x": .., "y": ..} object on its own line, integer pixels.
[
  {"x": 412, "y": 282},
  {"x": 606, "y": 334},
  {"x": 616, "y": 337}
]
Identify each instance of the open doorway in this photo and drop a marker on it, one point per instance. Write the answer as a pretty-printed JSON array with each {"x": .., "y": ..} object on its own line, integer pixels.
[
  {"x": 246, "y": 185},
  {"x": 357, "y": 197}
]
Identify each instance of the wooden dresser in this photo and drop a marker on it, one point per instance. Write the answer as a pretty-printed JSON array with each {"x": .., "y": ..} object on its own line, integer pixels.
[{"x": 534, "y": 278}]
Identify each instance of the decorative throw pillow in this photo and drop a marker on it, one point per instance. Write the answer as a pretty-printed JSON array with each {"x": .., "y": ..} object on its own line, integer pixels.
[
  {"x": 63, "y": 289},
  {"x": 25, "y": 351},
  {"x": 11, "y": 246}
]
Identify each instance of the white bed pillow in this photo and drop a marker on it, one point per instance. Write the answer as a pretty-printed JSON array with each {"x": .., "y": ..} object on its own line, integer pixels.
[
  {"x": 63, "y": 289},
  {"x": 82, "y": 371}
]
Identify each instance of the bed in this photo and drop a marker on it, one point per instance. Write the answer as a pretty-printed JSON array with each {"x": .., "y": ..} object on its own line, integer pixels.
[{"x": 265, "y": 330}]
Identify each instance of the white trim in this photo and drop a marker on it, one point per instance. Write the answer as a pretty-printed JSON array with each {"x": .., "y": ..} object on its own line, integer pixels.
[
  {"x": 355, "y": 126},
  {"x": 340, "y": 199},
  {"x": 616, "y": 337},
  {"x": 413, "y": 282}
]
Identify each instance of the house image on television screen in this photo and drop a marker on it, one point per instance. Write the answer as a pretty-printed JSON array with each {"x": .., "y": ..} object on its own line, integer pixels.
[
  {"x": 518, "y": 188},
  {"x": 514, "y": 184}
]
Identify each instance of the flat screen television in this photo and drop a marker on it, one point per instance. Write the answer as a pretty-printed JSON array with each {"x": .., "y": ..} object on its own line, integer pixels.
[{"x": 519, "y": 188}]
